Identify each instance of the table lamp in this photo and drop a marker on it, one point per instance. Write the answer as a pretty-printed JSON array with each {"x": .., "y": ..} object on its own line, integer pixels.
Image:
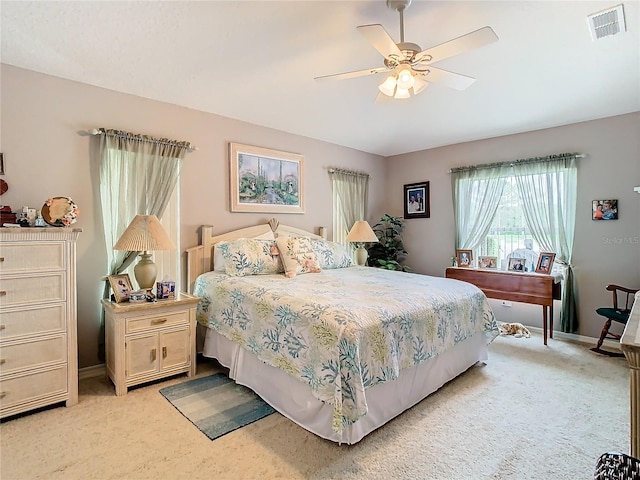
[
  {"x": 360, "y": 233},
  {"x": 144, "y": 234}
]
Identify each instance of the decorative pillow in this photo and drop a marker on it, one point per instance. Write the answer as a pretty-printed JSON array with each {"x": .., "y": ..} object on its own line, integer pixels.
[
  {"x": 219, "y": 263},
  {"x": 331, "y": 254},
  {"x": 297, "y": 255},
  {"x": 250, "y": 256}
]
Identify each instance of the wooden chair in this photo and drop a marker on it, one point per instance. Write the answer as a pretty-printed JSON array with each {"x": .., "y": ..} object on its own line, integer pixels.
[{"x": 619, "y": 313}]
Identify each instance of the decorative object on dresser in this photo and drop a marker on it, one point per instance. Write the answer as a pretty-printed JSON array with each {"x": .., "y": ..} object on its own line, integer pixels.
[
  {"x": 264, "y": 180},
  {"x": 151, "y": 340},
  {"x": 60, "y": 211},
  {"x": 38, "y": 326},
  {"x": 487, "y": 262},
  {"x": 545, "y": 262},
  {"x": 416, "y": 200},
  {"x": 360, "y": 234},
  {"x": 464, "y": 257},
  {"x": 144, "y": 234},
  {"x": 516, "y": 264},
  {"x": 121, "y": 286}
]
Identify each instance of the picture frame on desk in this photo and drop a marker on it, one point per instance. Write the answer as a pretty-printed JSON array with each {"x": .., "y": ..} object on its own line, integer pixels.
[
  {"x": 545, "y": 262},
  {"x": 464, "y": 258},
  {"x": 516, "y": 264},
  {"x": 487, "y": 262},
  {"x": 121, "y": 286}
]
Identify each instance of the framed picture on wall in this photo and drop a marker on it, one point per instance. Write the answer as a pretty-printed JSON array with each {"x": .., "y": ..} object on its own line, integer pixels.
[
  {"x": 265, "y": 181},
  {"x": 416, "y": 200},
  {"x": 604, "y": 210}
]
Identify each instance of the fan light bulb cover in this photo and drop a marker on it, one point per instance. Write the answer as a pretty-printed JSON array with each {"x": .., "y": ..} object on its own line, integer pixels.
[
  {"x": 402, "y": 93},
  {"x": 388, "y": 87},
  {"x": 405, "y": 79}
]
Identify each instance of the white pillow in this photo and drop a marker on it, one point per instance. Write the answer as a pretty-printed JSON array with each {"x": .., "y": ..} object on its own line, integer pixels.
[
  {"x": 297, "y": 255},
  {"x": 251, "y": 256},
  {"x": 219, "y": 263},
  {"x": 331, "y": 254}
]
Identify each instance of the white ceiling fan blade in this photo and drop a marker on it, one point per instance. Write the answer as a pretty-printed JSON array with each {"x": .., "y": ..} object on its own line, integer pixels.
[
  {"x": 477, "y": 39},
  {"x": 419, "y": 84},
  {"x": 358, "y": 73},
  {"x": 449, "y": 79},
  {"x": 377, "y": 36}
]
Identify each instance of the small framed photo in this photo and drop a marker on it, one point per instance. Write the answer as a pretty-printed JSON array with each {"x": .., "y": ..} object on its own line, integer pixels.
[
  {"x": 516, "y": 264},
  {"x": 416, "y": 200},
  {"x": 121, "y": 286},
  {"x": 487, "y": 262},
  {"x": 604, "y": 210},
  {"x": 545, "y": 262},
  {"x": 464, "y": 257}
]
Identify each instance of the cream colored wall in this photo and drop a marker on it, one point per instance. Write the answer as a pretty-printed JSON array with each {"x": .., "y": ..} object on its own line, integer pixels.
[
  {"x": 604, "y": 252},
  {"x": 47, "y": 153}
]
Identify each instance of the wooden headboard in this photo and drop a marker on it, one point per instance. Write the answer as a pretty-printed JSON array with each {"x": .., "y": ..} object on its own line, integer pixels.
[{"x": 200, "y": 258}]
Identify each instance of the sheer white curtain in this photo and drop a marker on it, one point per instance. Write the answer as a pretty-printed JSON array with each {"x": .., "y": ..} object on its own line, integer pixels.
[
  {"x": 350, "y": 193},
  {"x": 476, "y": 196},
  {"x": 548, "y": 191}
]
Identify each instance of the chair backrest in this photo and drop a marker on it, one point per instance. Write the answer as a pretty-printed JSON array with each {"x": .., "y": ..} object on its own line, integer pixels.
[{"x": 619, "y": 293}]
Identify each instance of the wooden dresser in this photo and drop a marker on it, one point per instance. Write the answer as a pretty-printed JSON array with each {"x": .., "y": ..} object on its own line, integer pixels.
[
  {"x": 38, "y": 339},
  {"x": 535, "y": 288}
]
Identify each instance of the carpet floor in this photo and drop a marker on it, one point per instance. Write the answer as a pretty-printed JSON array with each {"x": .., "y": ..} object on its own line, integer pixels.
[{"x": 532, "y": 412}]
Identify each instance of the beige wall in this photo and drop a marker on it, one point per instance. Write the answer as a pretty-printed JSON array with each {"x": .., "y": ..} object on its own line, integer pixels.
[
  {"x": 604, "y": 252},
  {"x": 47, "y": 153}
]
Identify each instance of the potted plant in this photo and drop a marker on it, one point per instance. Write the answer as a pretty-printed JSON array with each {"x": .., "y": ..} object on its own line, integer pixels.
[{"x": 389, "y": 252}]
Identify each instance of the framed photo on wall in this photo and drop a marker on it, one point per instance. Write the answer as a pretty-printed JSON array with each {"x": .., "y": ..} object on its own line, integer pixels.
[
  {"x": 464, "y": 258},
  {"x": 416, "y": 200},
  {"x": 265, "y": 181},
  {"x": 545, "y": 262},
  {"x": 604, "y": 210}
]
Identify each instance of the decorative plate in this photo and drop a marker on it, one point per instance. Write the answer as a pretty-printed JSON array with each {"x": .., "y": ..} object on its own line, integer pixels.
[{"x": 60, "y": 211}]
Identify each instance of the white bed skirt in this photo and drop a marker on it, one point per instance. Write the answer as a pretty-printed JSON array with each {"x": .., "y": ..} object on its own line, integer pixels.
[{"x": 293, "y": 399}]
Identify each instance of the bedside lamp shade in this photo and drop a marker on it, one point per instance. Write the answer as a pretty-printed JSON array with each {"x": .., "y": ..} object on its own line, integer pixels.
[
  {"x": 361, "y": 233},
  {"x": 145, "y": 233}
]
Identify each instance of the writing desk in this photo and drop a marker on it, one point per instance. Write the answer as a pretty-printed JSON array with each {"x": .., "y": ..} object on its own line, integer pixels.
[{"x": 524, "y": 287}]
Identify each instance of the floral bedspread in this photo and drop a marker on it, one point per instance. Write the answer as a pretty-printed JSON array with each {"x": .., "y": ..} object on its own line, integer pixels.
[{"x": 344, "y": 330}]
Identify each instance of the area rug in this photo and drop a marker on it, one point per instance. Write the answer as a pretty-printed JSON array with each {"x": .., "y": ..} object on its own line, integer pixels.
[{"x": 216, "y": 404}]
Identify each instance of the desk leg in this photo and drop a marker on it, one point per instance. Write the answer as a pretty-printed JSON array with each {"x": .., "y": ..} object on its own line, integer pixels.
[
  {"x": 551, "y": 320},
  {"x": 544, "y": 322}
]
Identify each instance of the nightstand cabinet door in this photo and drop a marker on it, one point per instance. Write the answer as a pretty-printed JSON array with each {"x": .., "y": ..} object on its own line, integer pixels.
[
  {"x": 141, "y": 355},
  {"x": 175, "y": 349}
]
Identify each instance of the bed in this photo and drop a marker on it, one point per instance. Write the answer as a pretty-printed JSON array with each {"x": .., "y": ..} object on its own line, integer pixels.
[{"x": 338, "y": 349}]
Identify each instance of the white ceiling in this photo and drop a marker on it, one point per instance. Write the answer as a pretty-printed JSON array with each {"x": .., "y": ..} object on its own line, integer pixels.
[{"x": 256, "y": 62}]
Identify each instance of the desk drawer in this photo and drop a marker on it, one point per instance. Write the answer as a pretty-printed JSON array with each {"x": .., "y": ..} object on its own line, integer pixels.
[
  {"x": 31, "y": 354},
  {"x": 141, "y": 324},
  {"x": 24, "y": 290},
  {"x": 31, "y": 257},
  {"x": 19, "y": 389},
  {"x": 25, "y": 321}
]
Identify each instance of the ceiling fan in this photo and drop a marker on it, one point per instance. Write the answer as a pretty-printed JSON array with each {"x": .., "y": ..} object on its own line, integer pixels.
[{"x": 411, "y": 67}]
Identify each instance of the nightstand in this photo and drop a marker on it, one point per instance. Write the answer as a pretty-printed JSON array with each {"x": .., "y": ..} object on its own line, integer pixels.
[{"x": 151, "y": 340}]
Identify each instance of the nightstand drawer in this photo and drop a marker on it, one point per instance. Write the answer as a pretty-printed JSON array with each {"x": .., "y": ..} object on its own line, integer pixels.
[
  {"x": 32, "y": 354},
  {"x": 33, "y": 386},
  {"x": 141, "y": 324},
  {"x": 31, "y": 257},
  {"x": 31, "y": 289},
  {"x": 25, "y": 321}
]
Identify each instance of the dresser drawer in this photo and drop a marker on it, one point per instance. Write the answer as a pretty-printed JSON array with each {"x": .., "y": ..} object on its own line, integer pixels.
[
  {"x": 35, "y": 319},
  {"x": 31, "y": 257},
  {"x": 140, "y": 324},
  {"x": 33, "y": 386},
  {"x": 32, "y": 289},
  {"x": 31, "y": 354}
]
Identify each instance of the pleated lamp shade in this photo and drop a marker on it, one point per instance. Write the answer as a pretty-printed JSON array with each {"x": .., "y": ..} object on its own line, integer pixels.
[{"x": 144, "y": 234}]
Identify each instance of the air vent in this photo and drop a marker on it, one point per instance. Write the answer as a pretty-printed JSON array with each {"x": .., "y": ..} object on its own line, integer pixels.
[{"x": 607, "y": 22}]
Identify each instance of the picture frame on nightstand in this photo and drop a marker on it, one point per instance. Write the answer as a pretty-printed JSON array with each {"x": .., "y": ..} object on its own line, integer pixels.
[{"x": 121, "y": 286}]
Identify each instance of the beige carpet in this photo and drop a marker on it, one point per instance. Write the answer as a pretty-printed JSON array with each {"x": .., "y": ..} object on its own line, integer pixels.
[{"x": 532, "y": 412}]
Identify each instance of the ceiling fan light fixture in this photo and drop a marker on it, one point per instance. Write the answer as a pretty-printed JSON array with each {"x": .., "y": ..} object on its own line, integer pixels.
[
  {"x": 388, "y": 87},
  {"x": 402, "y": 93},
  {"x": 405, "y": 78},
  {"x": 419, "y": 85}
]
